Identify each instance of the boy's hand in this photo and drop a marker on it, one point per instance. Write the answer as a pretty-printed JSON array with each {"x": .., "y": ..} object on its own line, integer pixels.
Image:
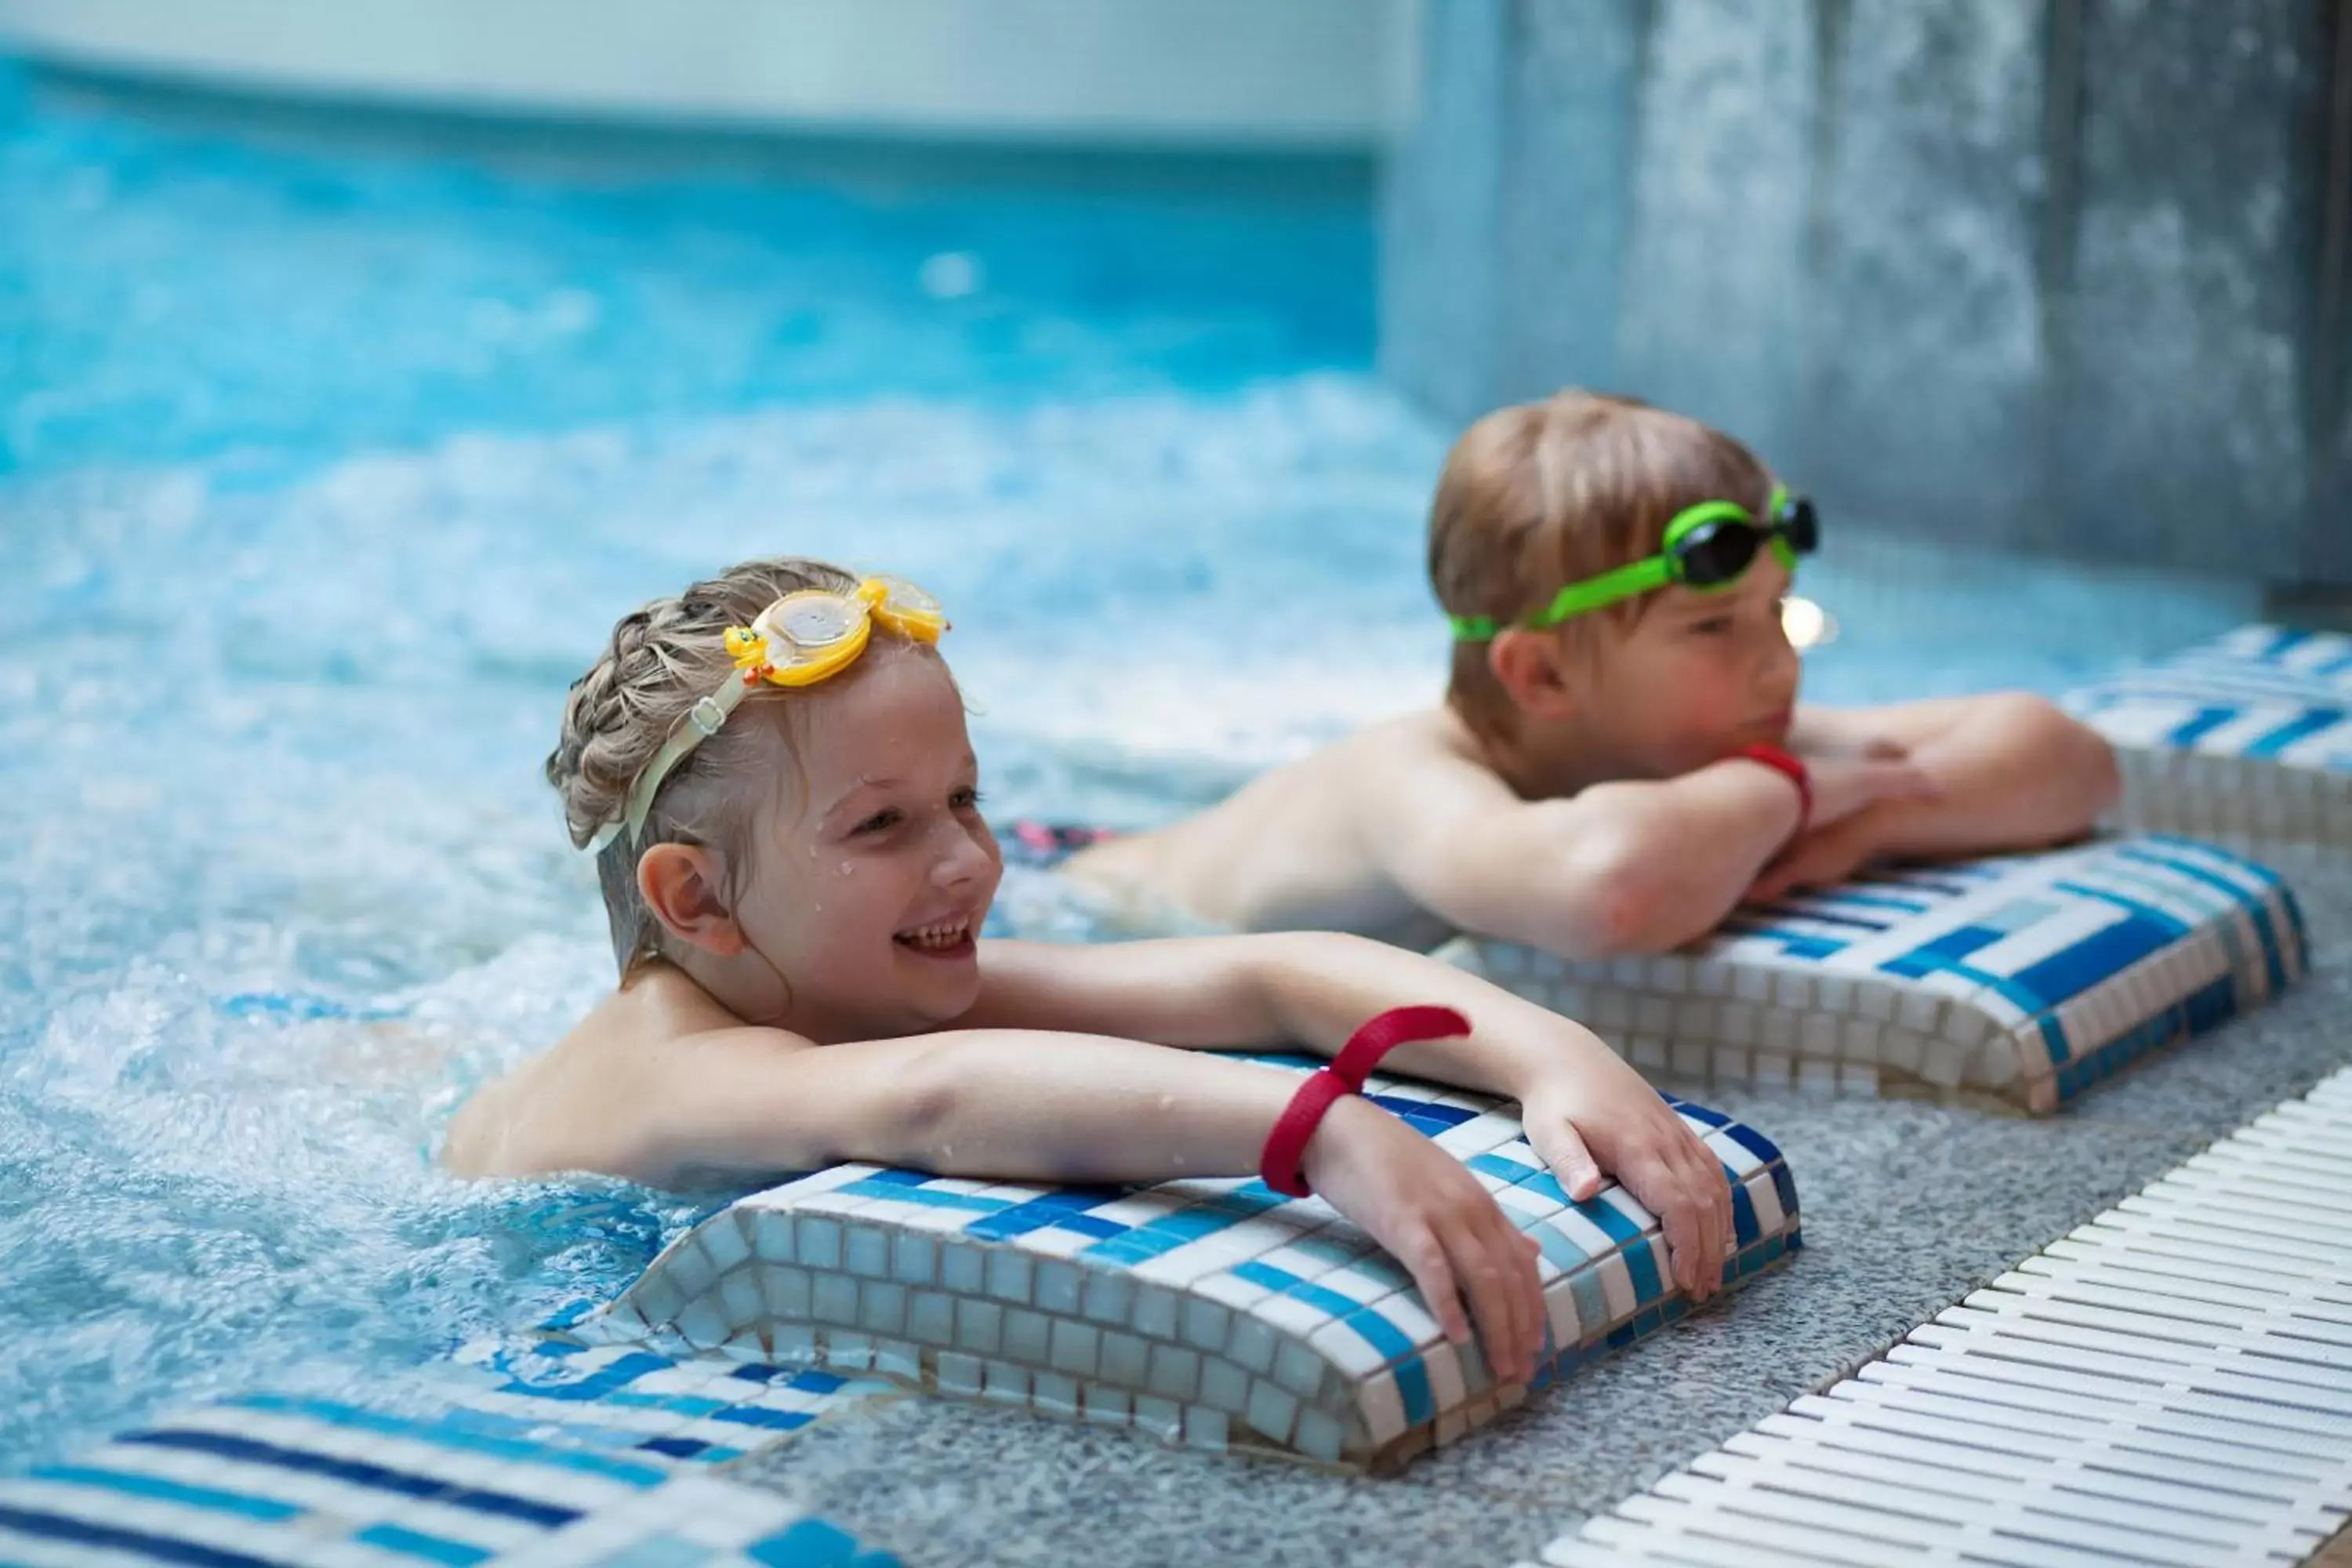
[
  {"x": 1851, "y": 780},
  {"x": 1820, "y": 859},
  {"x": 1599, "y": 1112},
  {"x": 1429, "y": 1211}
]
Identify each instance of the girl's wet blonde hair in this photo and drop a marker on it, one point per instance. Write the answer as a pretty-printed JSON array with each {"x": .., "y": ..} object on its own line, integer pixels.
[{"x": 661, "y": 661}]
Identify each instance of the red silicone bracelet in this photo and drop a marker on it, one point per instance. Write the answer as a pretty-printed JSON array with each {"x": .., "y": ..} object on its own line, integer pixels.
[
  {"x": 1781, "y": 762},
  {"x": 1286, "y": 1146}
]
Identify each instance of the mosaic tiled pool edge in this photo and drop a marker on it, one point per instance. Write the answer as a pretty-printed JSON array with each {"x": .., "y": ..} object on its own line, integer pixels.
[
  {"x": 2247, "y": 738},
  {"x": 2025, "y": 978},
  {"x": 1213, "y": 1314},
  {"x": 2168, "y": 1383},
  {"x": 542, "y": 1453}
]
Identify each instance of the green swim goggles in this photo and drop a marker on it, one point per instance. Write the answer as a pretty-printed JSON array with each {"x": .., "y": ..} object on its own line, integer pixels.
[{"x": 1708, "y": 547}]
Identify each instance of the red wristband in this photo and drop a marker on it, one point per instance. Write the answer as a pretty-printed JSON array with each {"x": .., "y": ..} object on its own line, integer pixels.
[
  {"x": 1286, "y": 1146},
  {"x": 1781, "y": 762}
]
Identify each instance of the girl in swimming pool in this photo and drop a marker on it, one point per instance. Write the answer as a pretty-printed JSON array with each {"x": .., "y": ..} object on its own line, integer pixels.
[{"x": 773, "y": 771}]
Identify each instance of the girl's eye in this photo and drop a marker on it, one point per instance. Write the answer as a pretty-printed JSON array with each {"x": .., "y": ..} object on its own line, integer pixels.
[
  {"x": 880, "y": 822},
  {"x": 1712, "y": 627},
  {"x": 966, "y": 798}
]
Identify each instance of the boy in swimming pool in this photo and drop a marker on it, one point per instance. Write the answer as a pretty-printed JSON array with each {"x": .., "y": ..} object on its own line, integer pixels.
[
  {"x": 1620, "y": 759},
  {"x": 775, "y": 771}
]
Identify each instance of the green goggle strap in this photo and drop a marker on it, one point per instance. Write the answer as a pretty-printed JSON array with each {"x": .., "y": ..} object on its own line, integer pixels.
[{"x": 1639, "y": 577}]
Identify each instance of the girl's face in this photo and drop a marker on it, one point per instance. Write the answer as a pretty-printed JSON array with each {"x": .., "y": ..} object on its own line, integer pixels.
[{"x": 869, "y": 880}]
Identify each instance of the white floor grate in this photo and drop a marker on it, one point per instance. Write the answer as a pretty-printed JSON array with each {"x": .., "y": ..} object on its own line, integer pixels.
[{"x": 2171, "y": 1383}]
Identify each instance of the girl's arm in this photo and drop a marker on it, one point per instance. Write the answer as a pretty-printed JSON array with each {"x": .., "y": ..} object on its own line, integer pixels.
[
  {"x": 1047, "y": 1106},
  {"x": 1584, "y": 1109}
]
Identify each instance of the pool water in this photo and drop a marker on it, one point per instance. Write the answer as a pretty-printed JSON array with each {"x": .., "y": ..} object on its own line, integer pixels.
[{"x": 329, "y": 452}]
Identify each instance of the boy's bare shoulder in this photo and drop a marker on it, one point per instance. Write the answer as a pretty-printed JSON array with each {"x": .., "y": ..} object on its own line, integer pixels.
[
  {"x": 1424, "y": 738},
  {"x": 1408, "y": 756}
]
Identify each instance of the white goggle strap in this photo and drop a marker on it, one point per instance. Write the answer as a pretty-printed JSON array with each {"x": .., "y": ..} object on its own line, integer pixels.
[{"x": 698, "y": 724}]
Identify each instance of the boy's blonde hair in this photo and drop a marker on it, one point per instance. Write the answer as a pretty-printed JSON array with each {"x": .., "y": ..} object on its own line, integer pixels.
[
  {"x": 662, "y": 660},
  {"x": 1540, "y": 495}
]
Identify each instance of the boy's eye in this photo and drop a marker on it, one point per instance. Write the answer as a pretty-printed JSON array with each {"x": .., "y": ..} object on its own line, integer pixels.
[
  {"x": 966, "y": 798},
  {"x": 881, "y": 821},
  {"x": 1712, "y": 627}
]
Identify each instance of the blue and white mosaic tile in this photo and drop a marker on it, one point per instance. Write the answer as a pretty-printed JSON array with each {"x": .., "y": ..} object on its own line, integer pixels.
[
  {"x": 547, "y": 1456},
  {"x": 1213, "y": 1313},
  {"x": 2029, "y": 977},
  {"x": 2249, "y": 737}
]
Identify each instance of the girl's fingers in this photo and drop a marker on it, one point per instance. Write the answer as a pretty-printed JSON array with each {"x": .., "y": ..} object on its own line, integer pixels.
[
  {"x": 1424, "y": 1259},
  {"x": 1490, "y": 1297},
  {"x": 1678, "y": 1214},
  {"x": 1509, "y": 1334},
  {"x": 1531, "y": 1291},
  {"x": 1572, "y": 1164}
]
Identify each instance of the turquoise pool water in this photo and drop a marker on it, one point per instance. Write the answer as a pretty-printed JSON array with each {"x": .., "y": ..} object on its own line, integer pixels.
[{"x": 329, "y": 451}]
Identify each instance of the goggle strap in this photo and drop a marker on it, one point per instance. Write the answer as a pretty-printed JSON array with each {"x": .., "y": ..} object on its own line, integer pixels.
[
  {"x": 1658, "y": 571},
  {"x": 1626, "y": 581},
  {"x": 696, "y": 725}
]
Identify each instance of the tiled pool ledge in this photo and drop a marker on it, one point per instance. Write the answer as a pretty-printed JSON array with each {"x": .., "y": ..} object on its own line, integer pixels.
[
  {"x": 525, "y": 1455},
  {"x": 2246, "y": 738},
  {"x": 1910, "y": 1205},
  {"x": 1214, "y": 1314},
  {"x": 2025, "y": 978}
]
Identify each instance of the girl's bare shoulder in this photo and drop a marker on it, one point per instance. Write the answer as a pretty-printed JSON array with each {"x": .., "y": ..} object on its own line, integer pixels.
[{"x": 577, "y": 1104}]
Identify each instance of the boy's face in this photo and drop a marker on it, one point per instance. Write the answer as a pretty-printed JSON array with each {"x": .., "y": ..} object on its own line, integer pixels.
[
  {"x": 1697, "y": 677},
  {"x": 868, "y": 891}
]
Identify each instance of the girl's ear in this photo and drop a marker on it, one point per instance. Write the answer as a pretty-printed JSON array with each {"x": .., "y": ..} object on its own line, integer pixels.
[
  {"x": 681, "y": 883},
  {"x": 1533, "y": 667}
]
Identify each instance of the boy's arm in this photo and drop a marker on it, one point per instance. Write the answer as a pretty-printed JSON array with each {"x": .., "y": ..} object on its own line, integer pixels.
[
  {"x": 1315, "y": 988},
  {"x": 2012, "y": 772},
  {"x": 1641, "y": 866}
]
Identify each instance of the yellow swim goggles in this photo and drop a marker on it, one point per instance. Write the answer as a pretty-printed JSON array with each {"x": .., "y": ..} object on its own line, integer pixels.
[{"x": 803, "y": 638}]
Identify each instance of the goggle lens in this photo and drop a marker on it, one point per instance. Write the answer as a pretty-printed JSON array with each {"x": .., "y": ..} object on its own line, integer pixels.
[
  {"x": 904, "y": 598},
  {"x": 1716, "y": 553},
  {"x": 804, "y": 625},
  {"x": 1800, "y": 525}
]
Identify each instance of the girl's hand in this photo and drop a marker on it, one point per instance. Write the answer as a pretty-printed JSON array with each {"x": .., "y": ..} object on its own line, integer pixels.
[
  {"x": 1597, "y": 1111},
  {"x": 1426, "y": 1208}
]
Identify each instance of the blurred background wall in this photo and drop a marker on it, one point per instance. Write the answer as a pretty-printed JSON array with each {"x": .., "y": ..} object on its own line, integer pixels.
[
  {"x": 2065, "y": 275},
  {"x": 1287, "y": 73},
  {"x": 2069, "y": 276}
]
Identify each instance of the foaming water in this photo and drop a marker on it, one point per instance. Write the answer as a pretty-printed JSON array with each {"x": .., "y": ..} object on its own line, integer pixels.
[{"x": 290, "y": 884}]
